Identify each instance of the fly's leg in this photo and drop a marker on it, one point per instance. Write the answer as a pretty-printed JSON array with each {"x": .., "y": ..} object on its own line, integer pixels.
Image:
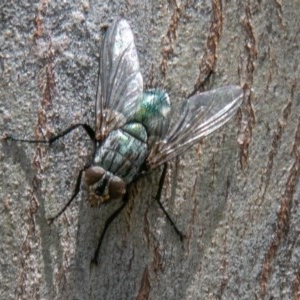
[
  {"x": 75, "y": 193},
  {"x": 90, "y": 133},
  {"x": 158, "y": 197},
  {"x": 107, "y": 223},
  {"x": 86, "y": 127}
]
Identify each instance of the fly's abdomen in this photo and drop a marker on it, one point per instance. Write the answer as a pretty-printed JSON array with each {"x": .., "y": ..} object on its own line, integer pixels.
[
  {"x": 124, "y": 151},
  {"x": 153, "y": 111}
]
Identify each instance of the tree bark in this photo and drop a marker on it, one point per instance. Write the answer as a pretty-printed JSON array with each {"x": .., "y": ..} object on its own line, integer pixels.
[{"x": 235, "y": 195}]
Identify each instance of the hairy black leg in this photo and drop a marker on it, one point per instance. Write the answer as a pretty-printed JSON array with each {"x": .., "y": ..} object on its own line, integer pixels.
[
  {"x": 86, "y": 127},
  {"x": 107, "y": 223},
  {"x": 158, "y": 196},
  {"x": 75, "y": 193}
]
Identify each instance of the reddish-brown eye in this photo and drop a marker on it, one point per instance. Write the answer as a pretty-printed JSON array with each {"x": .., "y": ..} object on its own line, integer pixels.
[
  {"x": 116, "y": 187},
  {"x": 93, "y": 175}
]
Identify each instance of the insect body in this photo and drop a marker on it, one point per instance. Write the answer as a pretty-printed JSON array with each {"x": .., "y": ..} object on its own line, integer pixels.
[
  {"x": 122, "y": 155},
  {"x": 132, "y": 127}
]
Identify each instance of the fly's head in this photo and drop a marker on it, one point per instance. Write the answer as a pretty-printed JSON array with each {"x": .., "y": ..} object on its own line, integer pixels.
[{"x": 102, "y": 186}]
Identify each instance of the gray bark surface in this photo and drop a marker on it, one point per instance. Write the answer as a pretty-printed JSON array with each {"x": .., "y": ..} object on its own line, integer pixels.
[{"x": 235, "y": 195}]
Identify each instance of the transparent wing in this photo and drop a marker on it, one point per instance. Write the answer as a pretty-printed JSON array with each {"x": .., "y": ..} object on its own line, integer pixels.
[
  {"x": 120, "y": 83},
  {"x": 200, "y": 115}
]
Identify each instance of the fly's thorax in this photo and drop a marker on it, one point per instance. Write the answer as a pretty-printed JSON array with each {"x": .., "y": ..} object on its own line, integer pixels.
[
  {"x": 102, "y": 186},
  {"x": 123, "y": 152}
]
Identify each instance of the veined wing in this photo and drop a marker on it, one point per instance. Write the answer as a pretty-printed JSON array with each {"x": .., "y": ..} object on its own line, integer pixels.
[
  {"x": 200, "y": 115},
  {"x": 120, "y": 84}
]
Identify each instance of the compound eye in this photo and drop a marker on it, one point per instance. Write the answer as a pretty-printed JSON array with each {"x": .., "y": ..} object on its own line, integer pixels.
[
  {"x": 93, "y": 175},
  {"x": 116, "y": 187}
]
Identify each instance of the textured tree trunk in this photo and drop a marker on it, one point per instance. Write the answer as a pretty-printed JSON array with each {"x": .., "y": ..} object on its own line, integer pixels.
[{"x": 235, "y": 195}]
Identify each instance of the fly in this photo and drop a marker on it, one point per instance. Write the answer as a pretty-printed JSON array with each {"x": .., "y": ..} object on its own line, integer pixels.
[{"x": 132, "y": 133}]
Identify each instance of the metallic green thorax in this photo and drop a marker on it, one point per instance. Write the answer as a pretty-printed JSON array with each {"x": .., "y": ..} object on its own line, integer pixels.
[{"x": 125, "y": 149}]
